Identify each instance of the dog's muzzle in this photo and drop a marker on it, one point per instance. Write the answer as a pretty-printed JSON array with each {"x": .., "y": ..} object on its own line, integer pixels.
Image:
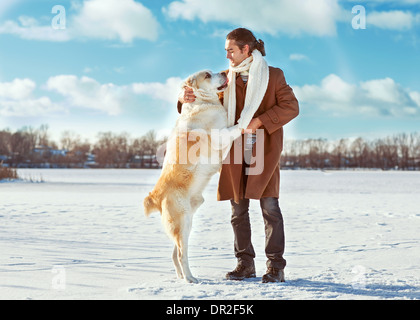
[{"x": 224, "y": 85}]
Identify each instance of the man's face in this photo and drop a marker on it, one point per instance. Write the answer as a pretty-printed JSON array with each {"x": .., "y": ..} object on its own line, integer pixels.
[{"x": 234, "y": 54}]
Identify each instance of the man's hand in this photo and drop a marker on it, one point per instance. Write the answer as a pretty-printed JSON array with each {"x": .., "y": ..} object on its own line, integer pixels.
[
  {"x": 188, "y": 96},
  {"x": 253, "y": 126}
]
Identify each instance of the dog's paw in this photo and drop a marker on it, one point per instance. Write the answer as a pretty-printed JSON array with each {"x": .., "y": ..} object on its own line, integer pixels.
[
  {"x": 180, "y": 276},
  {"x": 191, "y": 279}
]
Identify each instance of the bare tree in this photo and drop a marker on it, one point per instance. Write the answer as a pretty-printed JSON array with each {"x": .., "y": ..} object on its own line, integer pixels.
[
  {"x": 111, "y": 150},
  {"x": 43, "y": 136},
  {"x": 5, "y": 142}
]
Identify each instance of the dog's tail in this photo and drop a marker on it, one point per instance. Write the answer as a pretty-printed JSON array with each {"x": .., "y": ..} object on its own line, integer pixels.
[{"x": 149, "y": 205}]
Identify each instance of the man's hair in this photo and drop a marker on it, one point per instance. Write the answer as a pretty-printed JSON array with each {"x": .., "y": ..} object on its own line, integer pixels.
[{"x": 244, "y": 37}]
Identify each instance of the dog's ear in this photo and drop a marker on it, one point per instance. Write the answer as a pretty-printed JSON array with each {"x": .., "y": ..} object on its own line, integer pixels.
[{"x": 190, "y": 82}]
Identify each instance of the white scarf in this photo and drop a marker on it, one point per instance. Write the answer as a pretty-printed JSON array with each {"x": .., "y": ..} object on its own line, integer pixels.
[{"x": 255, "y": 91}]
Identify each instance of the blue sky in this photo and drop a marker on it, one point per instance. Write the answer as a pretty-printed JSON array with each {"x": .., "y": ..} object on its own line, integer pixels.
[{"x": 116, "y": 65}]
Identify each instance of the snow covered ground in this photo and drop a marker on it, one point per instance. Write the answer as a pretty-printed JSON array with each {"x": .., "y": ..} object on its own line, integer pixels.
[{"x": 81, "y": 234}]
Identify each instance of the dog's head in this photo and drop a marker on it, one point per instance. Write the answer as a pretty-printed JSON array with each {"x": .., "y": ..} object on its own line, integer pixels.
[{"x": 207, "y": 81}]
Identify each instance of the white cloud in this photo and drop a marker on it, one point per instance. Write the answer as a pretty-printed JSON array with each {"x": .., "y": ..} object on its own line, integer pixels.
[
  {"x": 167, "y": 91},
  {"x": 87, "y": 93},
  {"x": 109, "y": 98},
  {"x": 415, "y": 96},
  {"x": 298, "y": 57},
  {"x": 283, "y": 16},
  {"x": 17, "y": 99},
  {"x": 17, "y": 89},
  {"x": 386, "y": 90},
  {"x": 29, "y": 107},
  {"x": 29, "y": 28},
  {"x": 392, "y": 20},
  {"x": 378, "y": 97},
  {"x": 123, "y": 20}
]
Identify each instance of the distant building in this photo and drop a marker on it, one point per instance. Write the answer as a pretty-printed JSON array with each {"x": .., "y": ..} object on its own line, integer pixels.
[
  {"x": 4, "y": 161},
  {"x": 46, "y": 150},
  {"x": 144, "y": 161},
  {"x": 90, "y": 161}
]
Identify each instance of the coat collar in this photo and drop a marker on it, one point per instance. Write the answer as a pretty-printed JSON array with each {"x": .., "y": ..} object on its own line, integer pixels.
[{"x": 239, "y": 81}]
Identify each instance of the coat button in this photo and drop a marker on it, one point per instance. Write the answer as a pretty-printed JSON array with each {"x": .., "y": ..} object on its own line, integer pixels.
[{"x": 275, "y": 120}]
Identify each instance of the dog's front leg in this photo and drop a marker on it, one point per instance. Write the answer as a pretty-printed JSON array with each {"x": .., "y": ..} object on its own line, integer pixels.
[
  {"x": 183, "y": 249},
  {"x": 196, "y": 202}
]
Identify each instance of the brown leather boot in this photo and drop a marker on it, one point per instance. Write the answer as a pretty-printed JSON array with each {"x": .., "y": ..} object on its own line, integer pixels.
[
  {"x": 273, "y": 275},
  {"x": 241, "y": 272}
]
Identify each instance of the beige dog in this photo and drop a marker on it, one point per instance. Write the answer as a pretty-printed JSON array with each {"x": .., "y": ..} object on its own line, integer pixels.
[{"x": 191, "y": 159}]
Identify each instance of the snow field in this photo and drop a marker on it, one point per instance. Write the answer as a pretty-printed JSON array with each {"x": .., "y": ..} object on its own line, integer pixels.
[{"x": 81, "y": 234}]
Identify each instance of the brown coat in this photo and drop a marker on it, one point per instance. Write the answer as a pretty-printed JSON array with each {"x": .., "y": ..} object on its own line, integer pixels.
[{"x": 277, "y": 108}]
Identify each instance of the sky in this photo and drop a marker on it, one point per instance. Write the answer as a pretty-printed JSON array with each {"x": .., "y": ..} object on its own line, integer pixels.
[{"x": 90, "y": 66}]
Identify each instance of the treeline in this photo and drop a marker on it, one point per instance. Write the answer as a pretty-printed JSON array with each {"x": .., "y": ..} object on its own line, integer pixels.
[
  {"x": 33, "y": 148},
  {"x": 397, "y": 152}
]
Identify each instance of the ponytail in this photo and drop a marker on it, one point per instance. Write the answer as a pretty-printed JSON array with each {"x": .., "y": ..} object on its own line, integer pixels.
[{"x": 260, "y": 47}]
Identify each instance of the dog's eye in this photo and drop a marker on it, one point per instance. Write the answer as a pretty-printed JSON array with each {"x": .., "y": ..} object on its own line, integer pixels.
[{"x": 208, "y": 75}]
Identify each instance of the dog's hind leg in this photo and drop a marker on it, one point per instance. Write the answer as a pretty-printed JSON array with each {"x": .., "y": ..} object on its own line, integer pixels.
[{"x": 176, "y": 263}]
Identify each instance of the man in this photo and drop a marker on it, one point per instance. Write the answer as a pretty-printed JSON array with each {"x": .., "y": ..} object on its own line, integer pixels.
[{"x": 270, "y": 104}]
